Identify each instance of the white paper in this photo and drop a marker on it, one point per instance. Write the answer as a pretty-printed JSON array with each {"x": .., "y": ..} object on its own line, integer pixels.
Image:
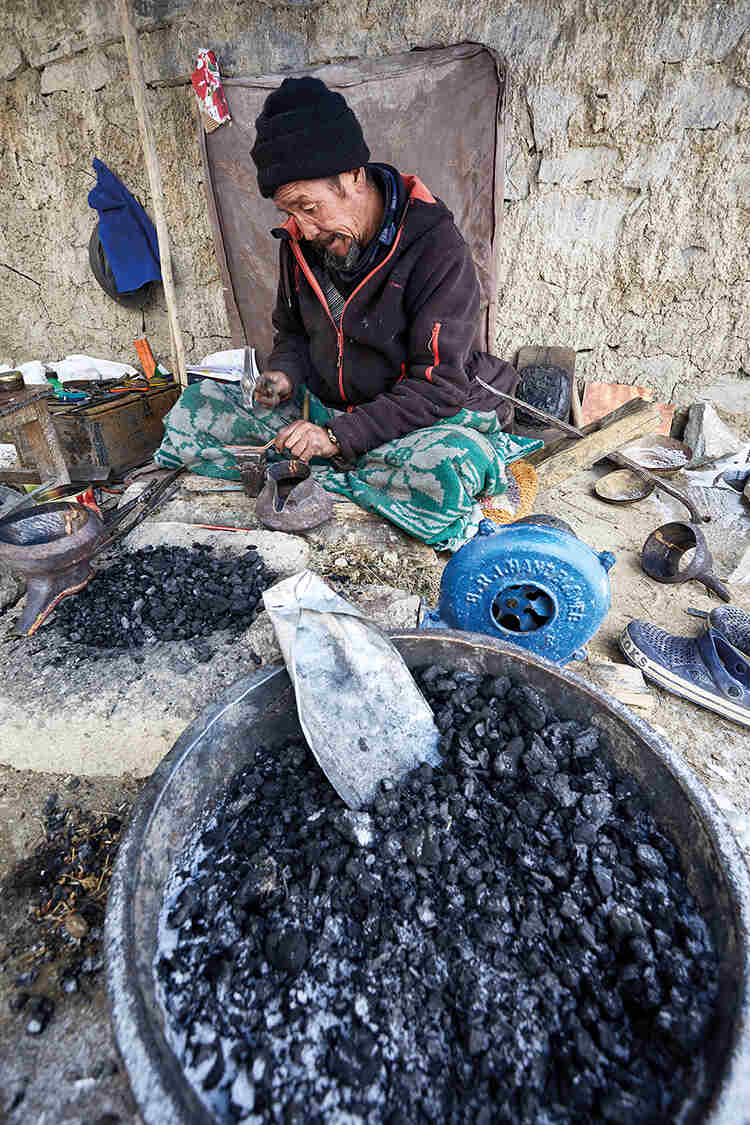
[{"x": 80, "y": 368}]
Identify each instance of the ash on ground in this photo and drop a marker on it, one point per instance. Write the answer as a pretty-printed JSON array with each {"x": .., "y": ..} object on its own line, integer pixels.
[
  {"x": 165, "y": 594},
  {"x": 506, "y": 939},
  {"x": 58, "y": 897}
]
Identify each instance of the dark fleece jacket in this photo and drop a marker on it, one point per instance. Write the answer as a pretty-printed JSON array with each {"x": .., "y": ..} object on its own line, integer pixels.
[{"x": 403, "y": 356}]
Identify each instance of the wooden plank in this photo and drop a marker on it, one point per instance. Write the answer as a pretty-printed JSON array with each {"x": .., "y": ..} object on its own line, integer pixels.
[
  {"x": 148, "y": 142},
  {"x": 586, "y": 451},
  {"x": 634, "y": 406}
]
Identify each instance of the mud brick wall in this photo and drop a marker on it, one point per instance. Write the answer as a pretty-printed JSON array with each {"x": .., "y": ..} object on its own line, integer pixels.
[{"x": 627, "y": 187}]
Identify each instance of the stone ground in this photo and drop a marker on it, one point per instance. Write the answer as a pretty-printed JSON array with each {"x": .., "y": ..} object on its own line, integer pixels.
[{"x": 90, "y": 730}]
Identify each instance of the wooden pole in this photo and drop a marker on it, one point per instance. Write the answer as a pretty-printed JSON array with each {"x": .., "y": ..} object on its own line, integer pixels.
[{"x": 138, "y": 86}]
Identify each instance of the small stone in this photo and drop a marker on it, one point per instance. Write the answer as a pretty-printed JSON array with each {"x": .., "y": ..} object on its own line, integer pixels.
[
  {"x": 76, "y": 925},
  {"x": 41, "y": 1010},
  {"x": 478, "y": 1041},
  {"x": 538, "y": 758},
  {"x": 707, "y": 436},
  {"x": 602, "y": 878},
  {"x": 356, "y": 827},
  {"x": 426, "y": 914},
  {"x": 17, "y": 1000}
]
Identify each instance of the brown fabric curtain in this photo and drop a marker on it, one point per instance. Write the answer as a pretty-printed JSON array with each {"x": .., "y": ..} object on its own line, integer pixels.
[{"x": 437, "y": 113}]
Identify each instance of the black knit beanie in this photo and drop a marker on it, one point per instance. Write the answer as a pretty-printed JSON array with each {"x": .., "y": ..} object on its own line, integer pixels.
[{"x": 305, "y": 132}]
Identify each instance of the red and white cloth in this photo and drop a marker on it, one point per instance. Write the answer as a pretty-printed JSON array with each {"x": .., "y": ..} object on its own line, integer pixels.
[{"x": 209, "y": 91}]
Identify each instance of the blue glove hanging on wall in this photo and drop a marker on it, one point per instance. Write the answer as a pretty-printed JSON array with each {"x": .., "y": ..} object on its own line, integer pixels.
[{"x": 127, "y": 235}]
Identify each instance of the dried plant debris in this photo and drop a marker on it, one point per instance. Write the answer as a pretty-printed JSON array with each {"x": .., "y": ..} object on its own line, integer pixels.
[
  {"x": 353, "y": 564},
  {"x": 165, "y": 593},
  {"x": 509, "y": 938},
  {"x": 62, "y": 890}
]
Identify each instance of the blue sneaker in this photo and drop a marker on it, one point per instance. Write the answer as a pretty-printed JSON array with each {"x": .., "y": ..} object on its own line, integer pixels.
[{"x": 712, "y": 670}]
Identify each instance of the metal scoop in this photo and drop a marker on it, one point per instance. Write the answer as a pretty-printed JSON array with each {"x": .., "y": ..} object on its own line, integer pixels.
[
  {"x": 663, "y": 553},
  {"x": 362, "y": 713}
]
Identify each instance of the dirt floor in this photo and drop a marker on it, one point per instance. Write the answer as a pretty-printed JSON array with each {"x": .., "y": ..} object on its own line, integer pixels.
[{"x": 59, "y": 825}]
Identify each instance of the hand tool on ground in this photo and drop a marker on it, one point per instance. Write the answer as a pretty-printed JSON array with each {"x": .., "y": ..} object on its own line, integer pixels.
[
  {"x": 626, "y": 463},
  {"x": 663, "y": 553},
  {"x": 618, "y": 458},
  {"x": 139, "y": 507}
]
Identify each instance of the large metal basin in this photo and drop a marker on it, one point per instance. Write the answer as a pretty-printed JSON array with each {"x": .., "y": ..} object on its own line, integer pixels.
[{"x": 261, "y": 709}]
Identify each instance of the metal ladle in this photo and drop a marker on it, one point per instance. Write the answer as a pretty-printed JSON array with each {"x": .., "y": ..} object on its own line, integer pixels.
[{"x": 663, "y": 552}]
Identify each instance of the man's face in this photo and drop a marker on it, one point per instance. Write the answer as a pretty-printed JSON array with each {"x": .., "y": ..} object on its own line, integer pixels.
[{"x": 332, "y": 220}]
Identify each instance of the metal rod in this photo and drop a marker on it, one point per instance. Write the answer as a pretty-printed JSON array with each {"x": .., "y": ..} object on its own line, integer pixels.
[
  {"x": 541, "y": 414},
  {"x": 146, "y": 501}
]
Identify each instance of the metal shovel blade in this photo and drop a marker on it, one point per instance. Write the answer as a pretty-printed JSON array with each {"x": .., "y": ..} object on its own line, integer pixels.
[{"x": 361, "y": 711}]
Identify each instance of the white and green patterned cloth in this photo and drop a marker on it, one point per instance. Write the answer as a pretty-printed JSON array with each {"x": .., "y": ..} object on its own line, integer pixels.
[{"x": 427, "y": 482}]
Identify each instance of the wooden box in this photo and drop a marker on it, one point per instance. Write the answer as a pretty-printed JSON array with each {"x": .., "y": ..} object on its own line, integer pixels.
[{"x": 111, "y": 437}]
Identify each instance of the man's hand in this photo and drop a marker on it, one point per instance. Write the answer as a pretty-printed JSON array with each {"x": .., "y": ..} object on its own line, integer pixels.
[
  {"x": 272, "y": 388},
  {"x": 305, "y": 440}
]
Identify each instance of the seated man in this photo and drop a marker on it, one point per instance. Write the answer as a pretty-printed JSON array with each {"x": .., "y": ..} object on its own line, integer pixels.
[{"x": 376, "y": 315}]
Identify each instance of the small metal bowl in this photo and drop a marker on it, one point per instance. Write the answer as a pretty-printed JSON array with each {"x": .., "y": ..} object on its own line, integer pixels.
[
  {"x": 623, "y": 487},
  {"x": 658, "y": 454}
]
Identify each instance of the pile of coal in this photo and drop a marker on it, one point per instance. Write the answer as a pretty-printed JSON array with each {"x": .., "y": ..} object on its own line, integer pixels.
[
  {"x": 508, "y": 938},
  {"x": 165, "y": 593}
]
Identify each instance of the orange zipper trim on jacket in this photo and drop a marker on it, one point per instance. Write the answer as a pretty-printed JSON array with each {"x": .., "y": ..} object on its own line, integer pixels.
[
  {"x": 319, "y": 292},
  {"x": 435, "y": 353}
]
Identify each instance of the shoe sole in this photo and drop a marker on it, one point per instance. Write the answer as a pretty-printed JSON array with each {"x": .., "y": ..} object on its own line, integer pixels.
[{"x": 678, "y": 686}]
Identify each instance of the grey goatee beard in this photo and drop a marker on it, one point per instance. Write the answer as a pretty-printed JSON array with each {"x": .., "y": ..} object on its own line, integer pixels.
[{"x": 336, "y": 264}]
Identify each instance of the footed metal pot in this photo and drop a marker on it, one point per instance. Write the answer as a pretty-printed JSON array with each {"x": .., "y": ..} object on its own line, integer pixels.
[
  {"x": 261, "y": 709},
  {"x": 51, "y": 546}
]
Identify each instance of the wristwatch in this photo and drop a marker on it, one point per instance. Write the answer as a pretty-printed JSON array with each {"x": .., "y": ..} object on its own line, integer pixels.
[{"x": 332, "y": 437}]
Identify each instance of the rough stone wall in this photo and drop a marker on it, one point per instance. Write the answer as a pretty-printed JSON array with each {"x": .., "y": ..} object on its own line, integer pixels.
[{"x": 627, "y": 179}]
